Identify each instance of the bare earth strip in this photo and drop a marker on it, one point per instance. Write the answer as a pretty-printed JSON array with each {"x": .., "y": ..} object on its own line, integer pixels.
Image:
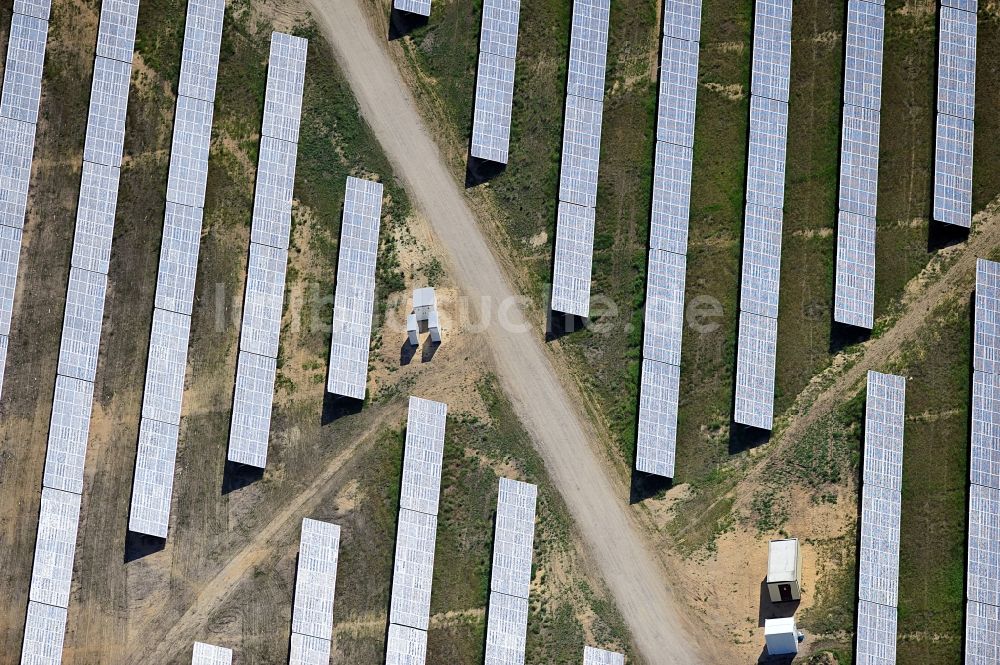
[{"x": 637, "y": 580}]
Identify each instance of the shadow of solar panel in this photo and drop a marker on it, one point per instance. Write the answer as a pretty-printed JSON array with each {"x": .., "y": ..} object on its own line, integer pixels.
[
  {"x": 316, "y": 579},
  {"x": 405, "y": 645},
  {"x": 986, "y": 337},
  {"x": 44, "y": 631},
  {"x": 884, "y": 424},
  {"x": 421, "y": 7},
  {"x": 10, "y": 253},
  {"x": 422, "y": 456},
  {"x": 413, "y": 569},
  {"x": 251, "y": 421},
  {"x": 200, "y": 54},
  {"x": 592, "y": 656},
  {"x": 491, "y": 114},
  {"x": 506, "y": 630},
  {"x": 772, "y": 49},
  {"x": 175, "y": 279},
  {"x": 17, "y": 144},
  {"x": 766, "y": 152},
  {"x": 306, "y": 650},
  {"x": 982, "y": 634},
  {"x": 878, "y": 558},
  {"x": 95, "y": 218},
  {"x": 953, "y": 171},
  {"x": 983, "y": 570},
  {"x": 859, "y": 161},
  {"x": 499, "y": 28},
  {"x": 265, "y": 293},
  {"x": 514, "y": 538},
  {"x": 588, "y": 49},
  {"x": 55, "y": 547},
  {"x": 682, "y": 19},
  {"x": 106, "y": 119},
  {"x": 581, "y": 151},
  {"x": 671, "y": 198},
  {"x": 863, "y": 54},
  {"x": 36, "y": 8},
  {"x": 657, "y": 440},
  {"x": 116, "y": 32},
  {"x": 272, "y": 203},
  {"x": 573, "y": 257},
  {"x": 985, "y": 459},
  {"x": 286, "y": 74},
  {"x": 854, "y": 294},
  {"x": 68, "y": 434},
  {"x": 876, "y": 636},
  {"x": 81, "y": 333},
  {"x": 755, "y": 358},
  {"x": 208, "y": 654},
  {"x": 153, "y": 482},
  {"x": 167, "y": 363},
  {"x": 761, "y": 261},
  {"x": 664, "y": 316},
  {"x": 189, "y": 152},
  {"x": 678, "y": 92},
  {"x": 22, "y": 76},
  {"x": 956, "y": 92}
]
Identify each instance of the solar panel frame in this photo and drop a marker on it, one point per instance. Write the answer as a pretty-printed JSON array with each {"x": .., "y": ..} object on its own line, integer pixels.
[
  {"x": 678, "y": 92},
  {"x": 984, "y": 464},
  {"x": 766, "y": 152},
  {"x": 956, "y": 90},
  {"x": 55, "y": 547},
  {"x": 250, "y": 427},
  {"x": 663, "y": 326},
  {"x": 95, "y": 218},
  {"x": 854, "y": 293},
  {"x": 571, "y": 269},
  {"x": 671, "y": 208},
  {"x": 859, "y": 148},
  {"x": 875, "y": 640},
  {"x": 506, "y": 630},
  {"x": 953, "y": 148},
  {"x": 982, "y": 634},
  {"x": 209, "y": 654},
  {"x": 275, "y": 188},
  {"x": 592, "y": 656},
  {"x": 153, "y": 481},
  {"x": 421, "y": 7},
  {"x": 84, "y": 315},
  {"x": 983, "y": 567},
  {"x": 286, "y": 74},
  {"x": 3, "y": 357},
  {"x": 405, "y": 645},
  {"x": 772, "y": 49},
  {"x": 682, "y": 19},
  {"x": 17, "y": 145},
  {"x": 192, "y": 139},
  {"x": 657, "y": 432},
  {"x": 178, "y": 266},
  {"x": 885, "y": 420},
  {"x": 755, "y": 365},
  {"x": 308, "y": 650},
  {"x": 263, "y": 300},
  {"x": 413, "y": 569},
  {"x": 588, "y": 49},
  {"x": 36, "y": 8},
  {"x": 105, "y": 136},
  {"x": 22, "y": 76},
  {"x": 863, "y": 54},
  {"x": 69, "y": 430},
  {"x": 878, "y": 555},
  {"x": 116, "y": 31},
  {"x": 491, "y": 116},
  {"x": 166, "y": 366},
  {"x": 498, "y": 34},
  {"x": 761, "y": 266},
  {"x": 514, "y": 537},
  {"x": 316, "y": 579},
  {"x": 986, "y": 330},
  {"x": 10, "y": 257},
  {"x": 44, "y": 632},
  {"x": 423, "y": 455},
  {"x": 200, "y": 52},
  {"x": 581, "y": 151}
]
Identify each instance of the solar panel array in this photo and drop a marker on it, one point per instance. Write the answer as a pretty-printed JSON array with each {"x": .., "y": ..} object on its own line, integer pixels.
[
  {"x": 354, "y": 300},
  {"x": 982, "y": 628},
  {"x": 209, "y": 654},
  {"x": 269, "y": 234},
  {"x": 152, "y": 484},
  {"x": 854, "y": 291},
  {"x": 22, "y": 90},
  {"x": 416, "y": 531},
  {"x": 581, "y": 156},
  {"x": 72, "y": 402},
  {"x": 593, "y": 656},
  {"x": 315, "y": 587},
  {"x": 421, "y": 7},
  {"x": 765, "y": 198},
  {"x": 956, "y": 105},
  {"x": 495, "y": 80},
  {"x": 668, "y": 237},
  {"x": 507, "y": 620},
  {"x": 878, "y": 556}
]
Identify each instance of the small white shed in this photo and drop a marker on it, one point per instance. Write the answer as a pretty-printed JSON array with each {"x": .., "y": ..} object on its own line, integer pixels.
[
  {"x": 784, "y": 570},
  {"x": 781, "y": 636},
  {"x": 424, "y": 302}
]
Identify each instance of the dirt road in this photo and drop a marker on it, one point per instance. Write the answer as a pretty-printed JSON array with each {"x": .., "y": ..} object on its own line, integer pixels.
[{"x": 598, "y": 503}]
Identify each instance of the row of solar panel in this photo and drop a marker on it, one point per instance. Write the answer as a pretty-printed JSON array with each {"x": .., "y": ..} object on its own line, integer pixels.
[
  {"x": 419, "y": 7},
  {"x": 495, "y": 80},
  {"x": 956, "y": 103},
  {"x": 354, "y": 300},
  {"x": 315, "y": 589}
]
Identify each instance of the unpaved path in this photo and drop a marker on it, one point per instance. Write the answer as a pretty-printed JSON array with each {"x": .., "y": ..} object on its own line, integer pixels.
[{"x": 597, "y": 501}]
